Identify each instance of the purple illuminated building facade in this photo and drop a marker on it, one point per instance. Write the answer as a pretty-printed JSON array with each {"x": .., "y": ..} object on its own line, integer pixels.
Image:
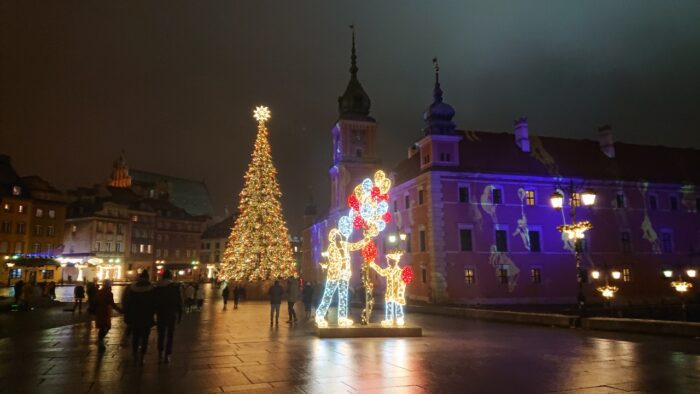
[{"x": 475, "y": 207}]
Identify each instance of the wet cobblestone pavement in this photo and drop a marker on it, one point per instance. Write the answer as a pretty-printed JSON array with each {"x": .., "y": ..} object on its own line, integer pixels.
[{"x": 236, "y": 350}]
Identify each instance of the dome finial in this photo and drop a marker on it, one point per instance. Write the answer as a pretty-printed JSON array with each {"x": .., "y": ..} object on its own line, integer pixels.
[
  {"x": 439, "y": 115},
  {"x": 437, "y": 92}
]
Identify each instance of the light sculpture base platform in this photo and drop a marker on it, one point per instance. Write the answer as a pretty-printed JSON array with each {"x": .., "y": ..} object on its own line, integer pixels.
[{"x": 369, "y": 331}]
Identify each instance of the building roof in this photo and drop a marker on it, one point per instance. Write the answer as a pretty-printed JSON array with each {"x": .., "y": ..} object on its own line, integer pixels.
[
  {"x": 191, "y": 195},
  {"x": 221, "y": 229},
  {"x": 488, "y": 152}
]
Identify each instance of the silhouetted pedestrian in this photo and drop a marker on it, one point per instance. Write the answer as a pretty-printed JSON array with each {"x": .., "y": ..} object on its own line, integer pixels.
[
  {"x": 140, "y": 307},
  {"x": 78, "y": 296},
  {"x": 103, "y": 302},
  {"x": 91, "y": 293},
  {"x": 168, "y": 311},
  {"x": 292, "y": 298},
  {"x": 189, "y": 297},
  {"x": 307, "y": 297},
  {"x": 18, "y": 290},
  {"x": 224, "y": 294},
  {"x": 276, "y": 292},
  {"x": 237, "y": 291},
  {"x": 199, "y": 293}
]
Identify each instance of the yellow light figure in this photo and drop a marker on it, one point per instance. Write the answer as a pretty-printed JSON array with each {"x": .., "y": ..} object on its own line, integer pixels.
[{"x": 395, "y": 294}]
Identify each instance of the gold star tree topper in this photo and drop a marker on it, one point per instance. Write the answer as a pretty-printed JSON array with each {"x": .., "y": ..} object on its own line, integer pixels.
[{"x": 261, "y": 114}]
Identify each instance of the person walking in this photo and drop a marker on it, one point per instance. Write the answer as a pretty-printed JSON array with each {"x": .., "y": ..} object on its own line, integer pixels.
[
  {"x": 51, "y": 290},
  {"x": 276, "y": 292},
  {"x": 27, "y": 294},
  {"x": 18, "y": 290},
  {"x": 189, "y": 297},
  {"x": 103, "y": 302},
  {"x": 91, "y": 293},
  {"x": 236, "y": 296},
  {"x": 292, "y": 298},
  {"x": 126, "y": 336},
  {"x": 168, "y": 311},
  {"x": 78, "y": 296},
  {"x": 307, "y": 297},
  {"x": 199, "y": 292},
  {"x": 224, "y": 293},
  {"x": 140, "y": 307}
]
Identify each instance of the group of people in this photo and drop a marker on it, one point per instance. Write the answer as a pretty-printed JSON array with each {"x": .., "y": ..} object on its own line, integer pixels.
[
  {"x": 292, "y": 292},
  {"x": 238, "y": 292},
  {"x": 144, "y": 305}
]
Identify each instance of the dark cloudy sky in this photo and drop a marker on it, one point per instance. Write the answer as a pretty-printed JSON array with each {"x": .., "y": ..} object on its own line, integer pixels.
[{"x": 174, "y": 82}]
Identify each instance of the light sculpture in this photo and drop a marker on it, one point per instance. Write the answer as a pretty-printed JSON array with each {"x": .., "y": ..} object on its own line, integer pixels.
[
  {"x": 369, "y": 213},
  {"x": 396, "y": 280}
]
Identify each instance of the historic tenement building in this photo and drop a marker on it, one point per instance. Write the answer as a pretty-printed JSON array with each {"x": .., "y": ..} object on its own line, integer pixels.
[{"x": 475, "y": 208}]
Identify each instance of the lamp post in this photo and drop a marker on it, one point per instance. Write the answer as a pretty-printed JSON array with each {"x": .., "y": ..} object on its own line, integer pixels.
[
  {"x": 576, "y": 230},
  {"x": 608, "y": 292},
  {"x": 681, "y": 286}
]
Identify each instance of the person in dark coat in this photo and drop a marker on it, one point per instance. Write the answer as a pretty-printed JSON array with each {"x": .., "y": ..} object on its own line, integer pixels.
[
  {"x": 307, "y": 297},
  {"x": 18, "y": 290},
  {"x": 91, "y": 293},
  {"x": 224, "y": 294},
  {"x": 237, "y": 292},
  {"x": 103, "y": 303},
  {"x": 140, "y": 307},
  {"x": 168, "y": 297},
  {"x": 276, "y": 292},
  {"x": 79, "y": 296}
]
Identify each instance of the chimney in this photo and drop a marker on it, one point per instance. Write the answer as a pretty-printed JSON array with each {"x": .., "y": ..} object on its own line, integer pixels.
[
  {"x": 605, "y": 138},
  {"x": 522, "y": 138}
]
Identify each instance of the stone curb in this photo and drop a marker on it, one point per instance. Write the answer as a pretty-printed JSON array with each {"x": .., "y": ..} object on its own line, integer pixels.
[
  {"x": 643, "y": 326},
  {"x": 542, "y": 319}
]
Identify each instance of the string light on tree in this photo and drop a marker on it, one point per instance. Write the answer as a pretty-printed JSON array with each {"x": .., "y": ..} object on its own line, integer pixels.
[{"x": 258, "y": 247}]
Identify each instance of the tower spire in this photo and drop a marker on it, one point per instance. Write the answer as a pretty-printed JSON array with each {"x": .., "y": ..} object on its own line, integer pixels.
[
  {"x": 439, "y": 115},
  {"x": 437, "y": 91},
  {"x": 354, "y": 103}
]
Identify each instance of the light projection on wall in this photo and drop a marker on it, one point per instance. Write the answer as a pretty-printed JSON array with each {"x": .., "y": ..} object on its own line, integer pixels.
[
  {"x": 369, "y": 212},
  {"x": 522, "y": 228},
  {"x": 648, "y": 232},
  {"x": 498, "y": 260},
  {"x": 396, "y": 280}
]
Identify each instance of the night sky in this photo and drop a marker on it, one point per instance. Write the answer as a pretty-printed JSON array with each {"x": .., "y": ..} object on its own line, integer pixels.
[{"x": 173, "y": 83}]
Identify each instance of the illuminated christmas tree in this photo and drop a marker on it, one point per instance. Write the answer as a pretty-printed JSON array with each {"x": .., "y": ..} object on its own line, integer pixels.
[{"x": 258, "y": 247}]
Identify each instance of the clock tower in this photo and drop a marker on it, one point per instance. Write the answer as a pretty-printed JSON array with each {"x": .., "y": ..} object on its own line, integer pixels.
[{"x": 354, "y": 139}]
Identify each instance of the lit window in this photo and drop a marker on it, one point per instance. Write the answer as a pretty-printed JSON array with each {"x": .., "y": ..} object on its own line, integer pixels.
[
  {"x": 74, "y": 228},
  {"x": 52, "y": 213},
  {"x": 469, "y": 277},
  {"x": 530, "y": 197},
  {"x": 16, "y": 190},
  {"x": 39, "y": 212},
  {"x": 20, "y": 208},
  {"x": 626, "y": 275},
  {"x": 6, "y": 207},
  {"x": 117, "y": 247},
  {"x": 536, "y": 275},
  {"x": 576, "y": 200}
]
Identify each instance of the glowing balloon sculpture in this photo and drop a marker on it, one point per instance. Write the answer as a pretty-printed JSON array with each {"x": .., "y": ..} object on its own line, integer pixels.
[
  {"x": 396, "y": 280},
  {"x": 369, "y": 213}
]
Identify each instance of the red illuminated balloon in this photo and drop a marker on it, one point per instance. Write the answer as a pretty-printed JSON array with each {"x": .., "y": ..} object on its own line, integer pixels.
[
  {"x": 358, "y": 222},
  {"x": 407, "y": 274},
  {"x": 376, "y": 192},
  {"x": 369, "y": 252},
  {"x": 386, "y": 217},
  {"x": 353, "y": 202}
]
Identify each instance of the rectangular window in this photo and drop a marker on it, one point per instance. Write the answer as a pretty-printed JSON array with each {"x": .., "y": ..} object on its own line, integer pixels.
[
  {"x": 464, "y": 194},
  {"x": 110, "y": 227},
  {"x": 6, "y": 227},
  {"x": 142, "y": 248},
  {"x": 409, "y": 246},
  {"x": 187, "y": 253},
  {"x": 420, "y": 197},
  {"x": 100, "y": 227},
  {"x": 166, "y": 252},
  {"x": 149, "y": 249},
  {"x": 576, "y": 200},
  {"x": 497, "y": 196},
  {"x": 424, "y": 275},
  {"x": 50, "y": 231},
  {"x": 422, "y": 240},
  {"x": 16, "y": 273},
  {"x": 120, "y": 228},
  {"x": 134, "y": 248},
  {"x": 535, "y": 241},
  {"x": 36, "y": 247},
  {"x": 396, "y": 206},
  {"x": 529, "y": 197},
  {"x": 6, "y": 207},
  {"x": 47, "y": 274},
  {"x": 98, "y": 246},
  {"x": 37, "y": 229},
  {"x": 157, "y": 252},
  {"x": 20, "y": 208},
  {"x": 625, "y": 242},
  {"x": 19, "y": 246},
  {"x": 674, "y": 203},
  {"x": 406, "y": 202},
  {"x": 503, "y": 275},
  {"x": 626, "y": 275},
  {"x": 49, "y": 249},
  {"x": 117, "y": 247},
  {"x": 39, "y": 212},
  {"x": 501, "y": 241},
  {"x": 469, "y": 276},
  {"x": 216, "y": 257},
  {"x": 16, "y": 190},
  {"x": 108, "y": 246},
  {"x": 52, "y": 213},
  {"x": 177, "y": 253},
  {"x": 653, "y": 204},
  {"x": 667, "y": 242},
  {"x": 217, "y": 245},
  {"x": 4, "y": 246},
  {"x": 620, "y": 200},
  {"x": 465, "y": 240},
  {"x": 536, "y": 275},
  {"x": 74, "y": 229},
  {"x": 20, "y": 228}
]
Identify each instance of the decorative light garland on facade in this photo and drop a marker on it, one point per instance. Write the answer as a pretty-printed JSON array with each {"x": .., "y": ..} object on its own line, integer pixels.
[{"x": 575, "y": 230}]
